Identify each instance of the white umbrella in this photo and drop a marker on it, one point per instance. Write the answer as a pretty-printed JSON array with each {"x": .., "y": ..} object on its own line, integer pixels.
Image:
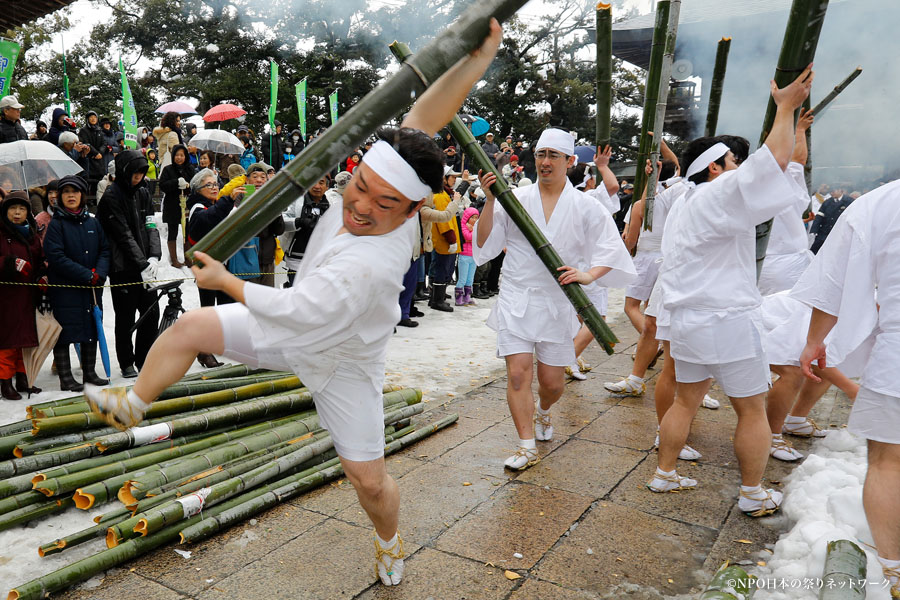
[
  {"x": 33, "y": 163},
  {"x": 218, "y": 141}
]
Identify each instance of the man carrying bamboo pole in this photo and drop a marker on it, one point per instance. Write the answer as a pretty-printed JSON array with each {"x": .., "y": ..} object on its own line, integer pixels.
[
  {"x": 532, "y": 315},
  {"x": 332, "y": 327},
  {"x": 853, "y": 287},
  {"x": 708, "y": 284}
]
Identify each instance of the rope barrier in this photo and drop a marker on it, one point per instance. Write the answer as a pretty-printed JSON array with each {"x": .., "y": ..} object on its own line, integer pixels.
[{"x": 113, "y": 285}]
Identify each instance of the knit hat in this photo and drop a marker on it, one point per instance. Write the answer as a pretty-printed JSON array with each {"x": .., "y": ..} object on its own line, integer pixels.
[
  {"x": 75, "y": 181},
  {"x": 17, "y": 197},
  {"x": 341, "y": 180},
  {"x": 235, "y": 170}
]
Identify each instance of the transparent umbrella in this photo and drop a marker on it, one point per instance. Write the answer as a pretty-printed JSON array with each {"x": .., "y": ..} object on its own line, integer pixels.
[
  {"x": 32, "y": 163},
  {"x": 218, "y": 141}
]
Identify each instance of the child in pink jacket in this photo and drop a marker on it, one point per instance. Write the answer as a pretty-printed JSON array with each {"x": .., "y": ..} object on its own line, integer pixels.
[{"x": 466, "y": 264}]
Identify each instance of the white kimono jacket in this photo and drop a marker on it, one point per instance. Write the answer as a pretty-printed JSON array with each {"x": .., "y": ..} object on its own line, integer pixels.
[
  {"x": 342, "y": 307},
  {"x": 787, "y": 254},
  {"x": 861, "y": 257},
  {"x": 708, "y": 275},
  {"x": 610, "y": 203},
  {"x": 531, "y": 305}
]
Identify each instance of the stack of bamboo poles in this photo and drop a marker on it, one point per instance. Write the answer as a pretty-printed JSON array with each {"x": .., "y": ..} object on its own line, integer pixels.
[{"x": 232, "y": 441}]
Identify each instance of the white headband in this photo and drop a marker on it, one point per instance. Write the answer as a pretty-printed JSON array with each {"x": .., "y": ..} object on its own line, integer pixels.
[
  {"x": 711, "y": 154},
  {"x": 587, "y": 177},
  {"x": 390, "y": 166},
  {"x": 556, "y": 139}
]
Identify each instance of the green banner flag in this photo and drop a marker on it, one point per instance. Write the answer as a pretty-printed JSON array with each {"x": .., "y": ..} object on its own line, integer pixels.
[
  {"x": 332, "y": 104},
  {"x": 9, "y": 52},
  {"x": 300, "y": 91},
  {"x": 129, "y": 117},
  {"x": 66, "y": 79},
  {"x": 273, "y": 101}
]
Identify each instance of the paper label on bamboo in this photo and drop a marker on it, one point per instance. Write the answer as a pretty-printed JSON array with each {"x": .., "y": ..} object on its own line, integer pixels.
[
  {"x": 192, "y": 504},
  {"x": 151, "y": 434}
]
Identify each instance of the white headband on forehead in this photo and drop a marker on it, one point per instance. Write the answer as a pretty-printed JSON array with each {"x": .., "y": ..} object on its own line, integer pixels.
[
  {"x": 390, "y": 166},
  {"x": 588, "y": 175},
  {"x": 556, "y": 139},
  {"x": 709, "y": 155}
]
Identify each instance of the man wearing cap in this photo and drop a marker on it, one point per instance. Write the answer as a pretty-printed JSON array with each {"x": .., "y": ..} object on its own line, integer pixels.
[
  {"x": 332, "y": 327},
  {"x": 11, "y": 129},
  {"x": 532, "y": 315},
  {"x": 490, "y": 148},
  {"x": 257, "y": 175},
  {"x": 708, "y": 284}
]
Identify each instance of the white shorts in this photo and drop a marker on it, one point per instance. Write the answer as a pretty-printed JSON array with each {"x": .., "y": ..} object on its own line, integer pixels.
[
  {"x": 781, "y": 271},
  {"x": 350, "y": 408},
  {"x": 647, "y": 265},
  {"x": 738, "y": 379},
  {"x": 599, "y": 297},
  {"x": 553, "y": 354},
  {"x": 655, "y": 309},
  {"x": 875, "y": 416}
]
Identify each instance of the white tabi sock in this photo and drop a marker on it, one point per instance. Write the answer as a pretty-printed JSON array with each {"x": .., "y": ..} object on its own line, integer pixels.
[
  {"x": 527, "y": 444},
  {"x": 635, "y": 379},
  {"x": 793, "y": 419},
  {"x": 755, "y": 492},
  {"x": 390, "y": 569},
  {"x": 541, "y": 411}
]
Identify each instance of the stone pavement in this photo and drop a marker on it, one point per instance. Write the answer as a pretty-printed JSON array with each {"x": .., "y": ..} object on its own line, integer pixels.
[{"x": 581, "y": 520}]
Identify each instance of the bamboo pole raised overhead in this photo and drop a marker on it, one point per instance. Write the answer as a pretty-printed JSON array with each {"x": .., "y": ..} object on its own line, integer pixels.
[
  {"x": 573, "y": 291},
  {"x": 801, "y": 36},
  {"x": 659, "y": 118},
  {"x": 380, "y": 105},
  {"x": 604, "y": 74},
  {"x": 818, "y": 108},
  {"x": 715, "y": 90}
]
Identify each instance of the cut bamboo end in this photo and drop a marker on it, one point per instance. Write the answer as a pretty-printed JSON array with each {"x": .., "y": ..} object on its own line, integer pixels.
[
  {"x": 725, "y": 39},
  {"x": 13, "y": 595},
  {"x": 38, "y": 478},
  {"x": 51, "y": 548},
  {"x": 17, "y": 452},
  {"x": 141, "y": 527},
  {"x": 28, "y": 412},
  {"x": 181, "y": 533},
  {"x": 112, "y": 540},
  {"x": 125, "y": 496},
  {"x": 83, "y": 500},
  {"x": 44, "y": 491},
  {"x": 603, "y": 6},
  {"x": 38, "y": 414},
  {"x": 101, "y": 447}
]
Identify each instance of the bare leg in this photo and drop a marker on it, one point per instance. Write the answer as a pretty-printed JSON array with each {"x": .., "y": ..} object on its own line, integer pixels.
[
  {"x": 844, "y": 383},
  {"x": 810, "y": 393},
  {"x": 519, "y": 374},
  {"x": 551, "y": 384},
  {"x": 172, "y": 353},
  {"x": 582, "y": 340},
  {"x": 664, "y": 393},
  {"x": 633, "y": 311},
  {"x": 781, "y": 396},
  {"x": 676, "y": 424},
  {"x": 880, "y": 498},
  {"x": 751, "y": 437},
  {"x": 647, "y": 347},
  {"x": 377, "y": 492}
]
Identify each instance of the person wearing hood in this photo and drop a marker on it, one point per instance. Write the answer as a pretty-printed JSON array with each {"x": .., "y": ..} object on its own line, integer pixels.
[
  {"x": 190, "y": 130},
  {"x": 40, "y": 131},
  {"x": 61, "y": 122},
  {"x": 77, "y": 255},
  {"x": 174, "y": 181},
  {"x": 168, "y": 135},
  {"x": 92, "y": 136},
  {"x": 110, "y": 146},
  {"x": 11, "y": 129},
  {"x": 21, "y": 261},
  {"x": 295, "y": 141},
  {"x": 126, "y": 214},
  {"x": 273, "y": 152}
]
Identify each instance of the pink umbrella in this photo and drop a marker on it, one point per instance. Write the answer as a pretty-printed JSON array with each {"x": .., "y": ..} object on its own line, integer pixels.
[
  {"x": 223, "y": 112},
  {"x": 180, "y": 107}
]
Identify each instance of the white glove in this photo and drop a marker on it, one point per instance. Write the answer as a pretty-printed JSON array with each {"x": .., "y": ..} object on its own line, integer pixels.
[
  {"x": 149, "y": 273},
  {"x": 453, "y": 248},
  {"x": 183, "y": 184}
]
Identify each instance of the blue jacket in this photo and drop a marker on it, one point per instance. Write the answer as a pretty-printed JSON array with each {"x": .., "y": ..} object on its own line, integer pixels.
[
  {"x": 74, "y": 245},
  {"x": 248, "y": 158}
]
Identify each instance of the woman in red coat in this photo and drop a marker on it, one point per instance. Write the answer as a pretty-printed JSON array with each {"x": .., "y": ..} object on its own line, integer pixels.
[{"x": 21, "y": 260}]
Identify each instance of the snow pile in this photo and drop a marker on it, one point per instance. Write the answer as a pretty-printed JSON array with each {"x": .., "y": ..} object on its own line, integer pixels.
[{"x": 823, "y": 497}]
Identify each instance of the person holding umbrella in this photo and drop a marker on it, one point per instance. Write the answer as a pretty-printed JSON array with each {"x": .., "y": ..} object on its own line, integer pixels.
[
  {"x": 77, "y": 255},
  {"x": 21, "y": 261}
]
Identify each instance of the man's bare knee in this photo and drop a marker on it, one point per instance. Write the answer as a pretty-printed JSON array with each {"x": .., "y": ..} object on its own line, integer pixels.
[
  {"x": 199, "y": 330},
  {"x": 884, "y": 455},
  {"x": 519, "y": 373},
  {"x": 649, "y": 327},
  {"x": 749, "y": 406},
  {"x": 367, "y": 478}
]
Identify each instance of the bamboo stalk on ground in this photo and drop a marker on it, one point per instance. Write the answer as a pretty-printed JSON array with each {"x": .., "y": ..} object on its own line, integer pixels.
[
  {"x": 844, "y": 575},
  {"x": 824, "y": 102},
  {"x": 88, "y": 567},
  {"x": 715, "y": 90},
  {"x": 801, "y": 36},
  {"x": 8, "y": 442},
  {"x": 604, "y": 74},
  {"x": 17, "y": 427},
  {"x": 729, "y": 583},
  {"x": 35, "y": 511},
  {"x": 662, "y": 97},
  {"x": 542, "y": 247}
]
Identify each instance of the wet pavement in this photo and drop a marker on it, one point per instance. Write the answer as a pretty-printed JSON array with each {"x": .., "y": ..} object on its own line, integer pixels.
[{"x": 580, "y": 524}]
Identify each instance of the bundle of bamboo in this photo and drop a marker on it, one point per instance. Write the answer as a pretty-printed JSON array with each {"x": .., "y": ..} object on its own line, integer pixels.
[{"x": 233, "y": 444}]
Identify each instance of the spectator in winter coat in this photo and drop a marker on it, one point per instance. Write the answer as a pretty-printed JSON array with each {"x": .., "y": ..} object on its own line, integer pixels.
[
  {"x": 153, "y": 170},
  {"x": 40, "y": 132},
  {"x": 43, "y": 218},
  {"x": 168, "y": 135},
  {"x": 107, "y": 181},
  {"x": 126, "y": 214},
  {"x": 273, "y": 152},
  {"x": 21, "y": 260},
  {"x": 466, "y": 263},
  {"x": 490, "y": 148},
  {"x": 299, "y": 221},
  {"x": 110, "y": 147},
  {"x": 248, "y": 157},
  {"x": 68, "y": 143},
  {"x": 92, "y": 136},
  {"x": 257, "y": 175},
  {"x": 295, "y": 141},
  {"x": 174, "y": 181},
  {"x": 59, "y": 124},
  {"x": 11, "y": 129},
  {"x": 77, "y": 255},
  {"x": 447, "y": 241}
]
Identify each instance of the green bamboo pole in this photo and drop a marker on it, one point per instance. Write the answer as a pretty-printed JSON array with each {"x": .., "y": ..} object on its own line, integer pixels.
[
  {"x": 545, "y": 251},
  {"x": 380, "y": 105},
  {"x": 16, "y": 427},
  {"x": 801, "y": 36},
  {"x": 8, "y": 442},
  {"x": 651, "y": 94},
  {"x": 844, "y": 576},
  {"x": 70, "y": 423},
  {"x": 659, "y": 119},
  {"x": 88, "y": 567},
  {"x": 34, "y": 511},
  {"x": 715, "y": 90},
  {"x": 729, "y": 583},
  {"x": 266, "y": 497},
  {"x": 823, "y": 104},
  {"x": 604, "y": 74},
  {"x": 74, "y": 539}
]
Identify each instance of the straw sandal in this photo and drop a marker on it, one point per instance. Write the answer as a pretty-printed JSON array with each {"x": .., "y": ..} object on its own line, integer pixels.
[
  {"x": 768, "y": 505},
  {"x": 671, "y": 483},
  {"x": 808, "y": 429},
  {"x": 893, "y": 576},
  {"x": 783, "y": 450},
  {"x": 522, "y": 459},
  {"x": 113, "y": 406},
  {"x": 543, "y": 428},
  {"x": 392, "y": 570}
]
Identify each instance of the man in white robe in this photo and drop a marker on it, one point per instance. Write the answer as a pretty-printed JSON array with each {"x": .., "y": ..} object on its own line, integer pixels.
[
  {"x": 787, "y": 255},
  {"x": 332, "y": 326},
  {"x": 860, "y": 258},
  {"x": 708, "y": 283},
  {"x": 532, "y": 314}
]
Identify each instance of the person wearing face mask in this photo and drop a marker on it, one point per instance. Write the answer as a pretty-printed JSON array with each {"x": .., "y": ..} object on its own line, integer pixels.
[
  {"x": 295, "y": 140},
  {"x": 77, "y": 255},
  {"x": 173, "y": 181}
]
